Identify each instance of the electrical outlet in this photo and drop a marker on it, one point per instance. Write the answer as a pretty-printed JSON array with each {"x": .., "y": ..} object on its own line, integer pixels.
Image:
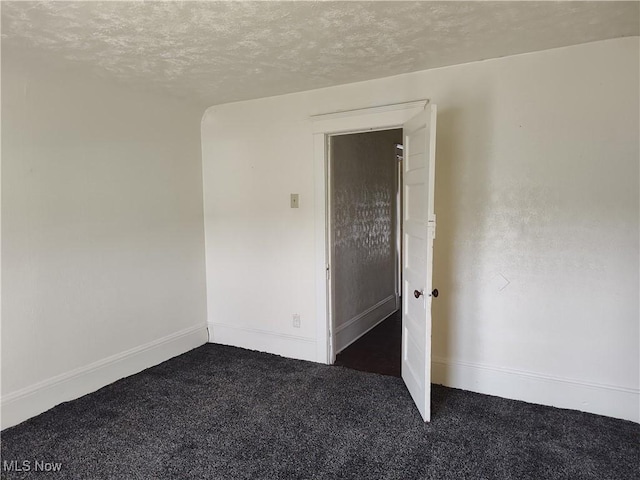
[{"x": 296, "y": 320}]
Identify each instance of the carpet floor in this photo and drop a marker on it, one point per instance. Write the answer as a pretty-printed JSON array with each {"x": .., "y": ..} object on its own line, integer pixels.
[{"x": 220, "y": 412}]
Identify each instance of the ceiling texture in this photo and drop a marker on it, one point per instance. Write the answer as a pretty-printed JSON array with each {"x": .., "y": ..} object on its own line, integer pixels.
[{"x": 214, "y": 52}]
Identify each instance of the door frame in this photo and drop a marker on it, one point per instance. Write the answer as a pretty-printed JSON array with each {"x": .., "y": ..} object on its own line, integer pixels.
[{"x": 385, "y": 117}]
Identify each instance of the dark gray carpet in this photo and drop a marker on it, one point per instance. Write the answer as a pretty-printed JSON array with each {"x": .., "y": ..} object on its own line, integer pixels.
[{"x": 226, "y": 413}]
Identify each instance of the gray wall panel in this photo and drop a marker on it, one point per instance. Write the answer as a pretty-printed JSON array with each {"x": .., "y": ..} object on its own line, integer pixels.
[{"x": 363, "y": 179}]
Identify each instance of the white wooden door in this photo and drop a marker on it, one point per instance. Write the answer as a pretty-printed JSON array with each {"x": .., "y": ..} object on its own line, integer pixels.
[{"x": 419, "y": 227}]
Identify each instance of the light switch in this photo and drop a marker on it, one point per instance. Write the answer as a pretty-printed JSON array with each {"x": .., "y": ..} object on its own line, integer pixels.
[{"x": 295, "y": 201}]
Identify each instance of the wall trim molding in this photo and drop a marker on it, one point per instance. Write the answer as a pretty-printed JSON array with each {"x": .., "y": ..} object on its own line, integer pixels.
[
  {"x": 371, "y": 110},
  {"x": 30, "y": 401},
  {"x": 285, "y": 345},
  {"x": 366, "y": 119},
  {"x": 363, "y": 314},
  {"x": 356, "y": 327},
  {"x": 601, "y": 399}
]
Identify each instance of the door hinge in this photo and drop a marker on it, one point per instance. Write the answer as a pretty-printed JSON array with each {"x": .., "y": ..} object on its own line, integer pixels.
[
  {"x": 328, "y": 273},
  {"x": 399, "y": 152}
]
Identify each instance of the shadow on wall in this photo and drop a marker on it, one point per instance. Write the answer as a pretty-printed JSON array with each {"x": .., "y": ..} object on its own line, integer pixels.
[{"x": 462, "y": 194}]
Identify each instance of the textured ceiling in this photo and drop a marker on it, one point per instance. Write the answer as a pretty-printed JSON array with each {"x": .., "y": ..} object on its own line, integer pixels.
[{"x": 217, "y": 52}]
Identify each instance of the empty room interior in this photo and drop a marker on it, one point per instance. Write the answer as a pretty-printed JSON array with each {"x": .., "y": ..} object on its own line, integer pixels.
[{"x": 320, "y": 239}]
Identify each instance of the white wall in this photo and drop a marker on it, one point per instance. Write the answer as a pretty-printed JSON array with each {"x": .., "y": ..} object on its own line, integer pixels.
[
  {"x": 102, "y": 234},
  {"x": 537, "y": 185}
]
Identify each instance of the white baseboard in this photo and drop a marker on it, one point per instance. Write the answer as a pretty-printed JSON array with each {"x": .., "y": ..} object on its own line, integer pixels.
[
  {"x": 28, "y": 402},
  {"x": 353, "y": 329},
  {"x": 289, "y": 346},
  {"x": 611, "y": 401}
]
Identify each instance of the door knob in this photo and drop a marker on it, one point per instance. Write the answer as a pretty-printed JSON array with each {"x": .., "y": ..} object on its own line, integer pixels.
[{"x": 418, "y": 293}]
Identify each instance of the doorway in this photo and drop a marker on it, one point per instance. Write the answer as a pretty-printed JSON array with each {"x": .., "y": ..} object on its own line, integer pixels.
[
  {"x": 418, "y": 122},
  {"x": 364, "y": 200}
]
